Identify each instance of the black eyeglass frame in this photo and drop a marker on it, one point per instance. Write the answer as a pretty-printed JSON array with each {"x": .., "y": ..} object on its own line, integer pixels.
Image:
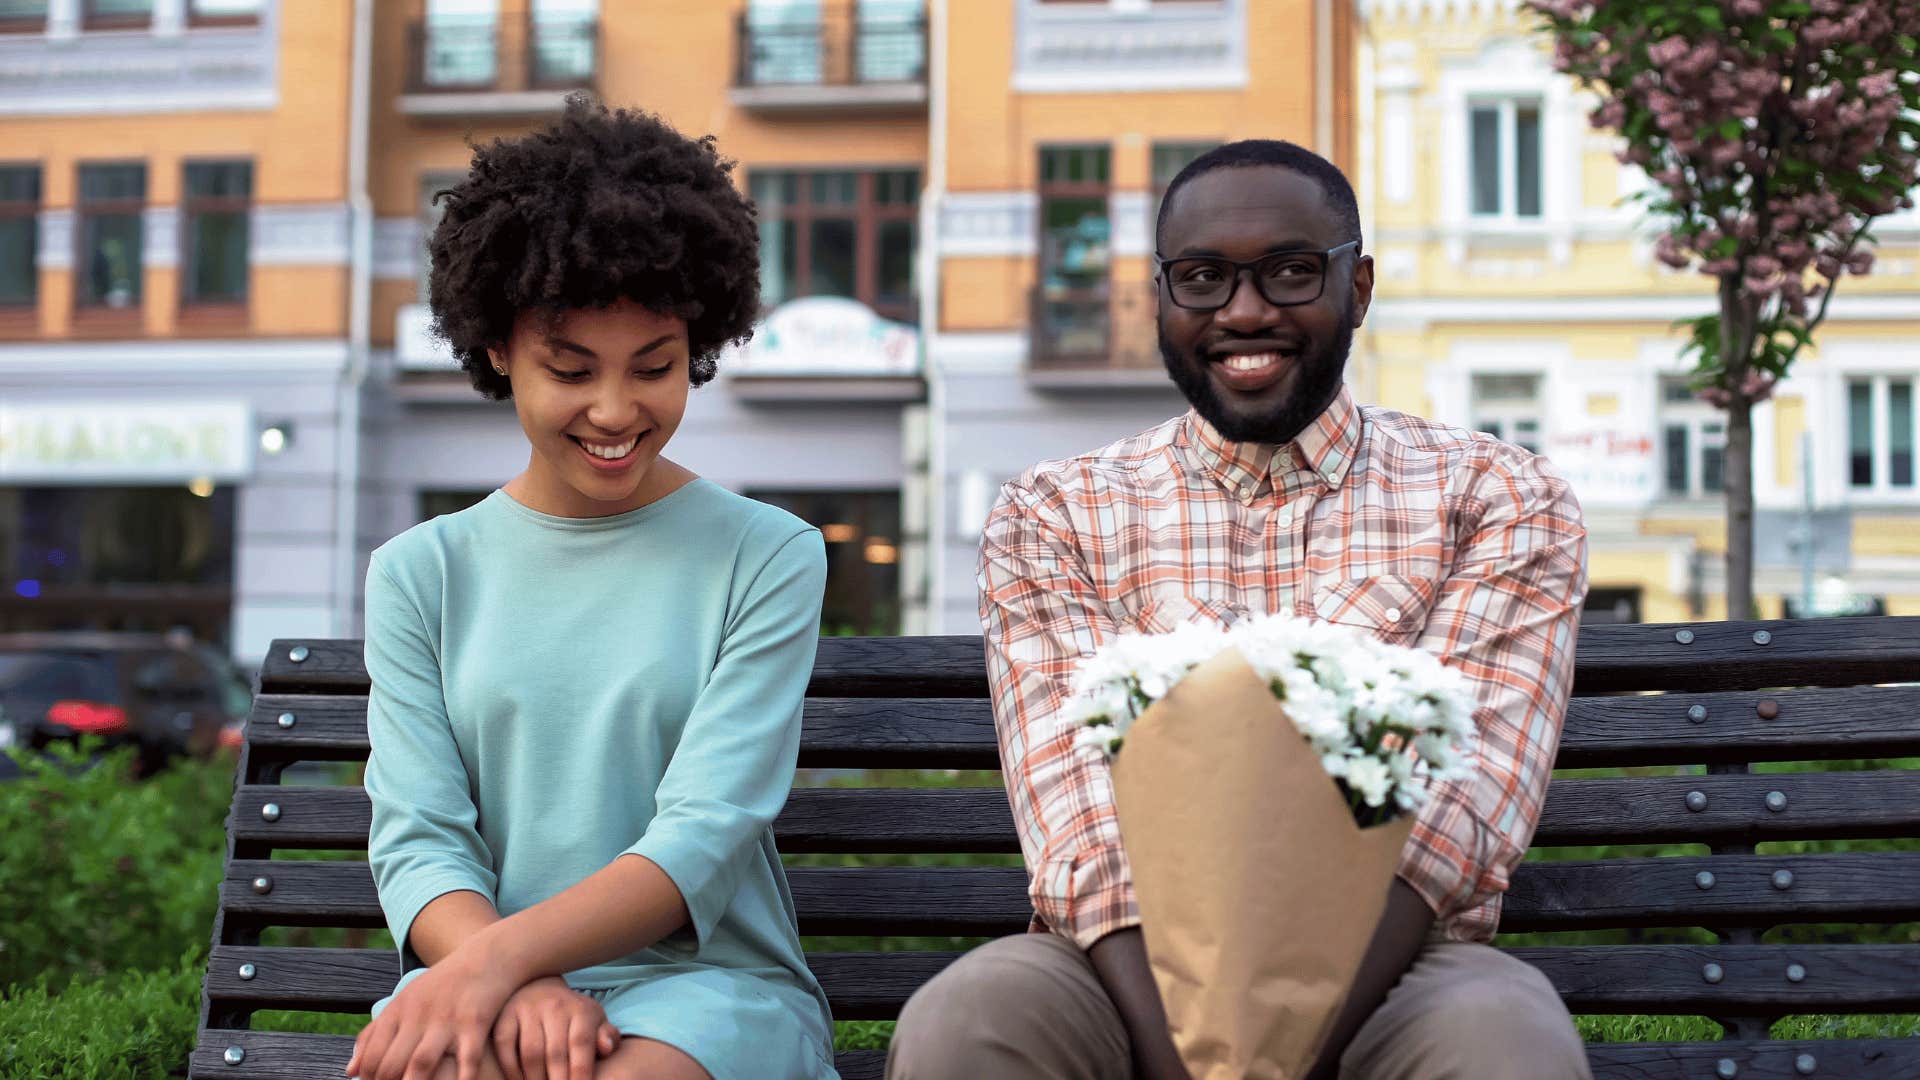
[{"x": 1160, "y": 273}]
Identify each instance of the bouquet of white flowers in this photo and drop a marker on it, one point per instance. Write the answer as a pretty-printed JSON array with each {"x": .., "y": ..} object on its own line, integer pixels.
[
  {"x": 1385, "y": 720},
  {"x": 1266, "y": 790}
]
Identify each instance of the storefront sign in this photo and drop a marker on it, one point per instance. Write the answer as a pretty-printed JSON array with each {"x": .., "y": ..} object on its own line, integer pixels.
[
  {"x": 827, "y": 335},
  {"x": 77, "y": 443},
  {"x": 1606, "y": 465}
]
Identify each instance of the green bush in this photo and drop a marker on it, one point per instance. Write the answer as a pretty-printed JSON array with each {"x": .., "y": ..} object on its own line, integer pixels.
[
  {"x": 131, "y": 1025},
  {"x": 100, "y": 873}
]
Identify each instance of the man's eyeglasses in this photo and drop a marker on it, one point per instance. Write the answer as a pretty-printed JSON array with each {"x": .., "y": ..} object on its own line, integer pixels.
[{"x": 1284, "y": 278}]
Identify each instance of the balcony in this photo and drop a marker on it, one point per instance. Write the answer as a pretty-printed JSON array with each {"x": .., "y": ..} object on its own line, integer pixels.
[
  {"x": 865, "y": 58},
  {"x": 498, "y": 66},
  {"x": 1100, "y": 337}
]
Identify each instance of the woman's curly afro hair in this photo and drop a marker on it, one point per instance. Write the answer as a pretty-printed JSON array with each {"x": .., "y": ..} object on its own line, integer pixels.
[{"x": 603, "y": 205}]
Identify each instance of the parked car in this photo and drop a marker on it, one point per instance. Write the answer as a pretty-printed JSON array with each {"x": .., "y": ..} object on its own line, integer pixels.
[{"x": 163, "y": 693}]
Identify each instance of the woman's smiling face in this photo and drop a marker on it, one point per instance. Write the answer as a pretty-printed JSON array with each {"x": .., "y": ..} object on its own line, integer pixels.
[{"x": 599, "y": 392}]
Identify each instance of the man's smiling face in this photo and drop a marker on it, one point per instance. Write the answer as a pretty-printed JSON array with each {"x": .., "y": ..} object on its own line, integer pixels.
[{"x": 1257, "y": 371}]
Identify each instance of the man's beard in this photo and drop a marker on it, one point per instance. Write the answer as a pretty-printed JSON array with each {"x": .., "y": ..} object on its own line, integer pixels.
[{"x": 1319, "y": 383}]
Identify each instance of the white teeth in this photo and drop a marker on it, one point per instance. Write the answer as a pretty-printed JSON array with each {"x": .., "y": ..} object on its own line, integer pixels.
[
  {"x": 611, "y": 453},
  {"x": 1252, "y": 361}
]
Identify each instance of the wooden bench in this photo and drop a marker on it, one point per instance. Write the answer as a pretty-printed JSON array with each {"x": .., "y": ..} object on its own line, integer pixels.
[{"x": 1720, "y": 695}]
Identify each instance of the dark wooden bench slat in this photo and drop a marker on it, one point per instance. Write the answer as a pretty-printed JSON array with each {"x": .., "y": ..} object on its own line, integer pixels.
[
  {"x": 989, "y": 901},
  {"x": 1840, "y": 1059},
  {"x": 1807, "y": 725},
  {"x": 874, "y": 986},
  {"x": 1743, "y": 891},
  {"x": 957, "y": 733},
  {"x": 1579, "y": 811},
  {"x": 1726, "y": 655},
  {"x": 280, "y": 1056},
  {"x": 1654, "y": 809},
  {"x": 1644, "y": 656},
  {"x": 844, "y": 667},
  {"x": 323, "y": 727}
]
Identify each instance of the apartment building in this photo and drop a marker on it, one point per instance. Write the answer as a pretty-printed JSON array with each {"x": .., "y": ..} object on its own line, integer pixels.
[
  {"x": 825, "y": 108},
  {"x": 1517, "y": 294},
  {"x": 174, "y": 316}
]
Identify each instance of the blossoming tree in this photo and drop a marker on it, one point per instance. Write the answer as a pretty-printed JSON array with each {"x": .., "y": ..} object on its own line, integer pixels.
[{"x": 1774, "y": 132}]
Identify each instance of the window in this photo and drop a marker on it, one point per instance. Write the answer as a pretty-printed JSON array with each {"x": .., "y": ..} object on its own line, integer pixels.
[
  {"x": 1606, "y": 606},
  {"x": 23, "y": 16},
  {"x": 19, "y": 235},
  {"x": 1504, "y": 156},
  {"x": 459, "y": 45},
  {"x": 434, "y": 503},
  {"x": 1507, "y": 407},
  {"x": 839, "y": 233},
  {"x": 862, "y": 531},
  {"x": 118, "y": 14},
  {"x": 112, "y": 198},
  {"x": 223, "y": 12},
  {"x": 1075, "y": 232},
  {"x": 432, "y": 184},
  {"x": 1880, "y": 424},
  {"x": 218, "y": 196},
  {"x": 1168, "y": 160},
  {"x": 1693, "y": 442}
]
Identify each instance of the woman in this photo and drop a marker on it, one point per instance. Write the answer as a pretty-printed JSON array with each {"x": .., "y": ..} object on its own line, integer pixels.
[{"x": 586, "y": 689}]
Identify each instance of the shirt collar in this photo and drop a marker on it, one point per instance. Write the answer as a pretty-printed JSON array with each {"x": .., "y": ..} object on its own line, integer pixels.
[{"x": 1325, "y": 448}]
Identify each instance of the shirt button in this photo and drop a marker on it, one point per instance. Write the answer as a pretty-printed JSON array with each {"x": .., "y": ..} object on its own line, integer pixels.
[
  {"x": 1393, "y": 614},
  {"x": 1246, "y": 491},
  {"x": 1286, "y": 515}
]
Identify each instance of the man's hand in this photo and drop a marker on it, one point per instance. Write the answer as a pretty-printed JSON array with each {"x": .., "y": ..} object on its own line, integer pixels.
[
  {"x": 1397, "y": 941},
  {"x": 550, "y": 1031},
  {"x": 1120, "y": 959},
  {"x": 448, "y": 1011}
]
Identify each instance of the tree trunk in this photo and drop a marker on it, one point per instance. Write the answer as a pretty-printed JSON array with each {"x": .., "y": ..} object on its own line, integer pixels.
[
  {"x": 1739, "y": 484},
  {"x": 1736, "y": 349}
]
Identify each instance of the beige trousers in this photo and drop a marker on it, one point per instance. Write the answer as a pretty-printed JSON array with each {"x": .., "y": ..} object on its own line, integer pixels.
[{"x": 1031, "y": 1007}]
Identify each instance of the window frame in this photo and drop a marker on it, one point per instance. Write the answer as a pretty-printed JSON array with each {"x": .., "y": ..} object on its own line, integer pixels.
[
  {"x": 13, "y": 310},
  {"x": 84, "y": 209},
  {"x": 1507, "y": 109},
  {"x": 1880, "y": 406},
  {"x": 192, "y": 205},
  {"x": 199, "y": 21},
  {"x": 1509, "y": 412},
  {"x": 91, "y": 19},
  {"x": 1696, "y": 416},
  {"x": 26, "y": 24},
  {"x": 866, "y": 212}
]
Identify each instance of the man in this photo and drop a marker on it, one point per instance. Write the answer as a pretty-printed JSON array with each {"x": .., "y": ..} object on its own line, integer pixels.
[{"x": 1275, "y": 493}]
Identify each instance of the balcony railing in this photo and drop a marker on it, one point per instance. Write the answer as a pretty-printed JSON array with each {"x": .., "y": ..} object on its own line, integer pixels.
[
  {"x": 494, "y": 55},
  {"x": 1100, "y": 336},
  {"x": 865, "y": 54}
]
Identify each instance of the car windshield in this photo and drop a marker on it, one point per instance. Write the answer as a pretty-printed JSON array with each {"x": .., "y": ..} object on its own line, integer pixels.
[{"x": 56, "y": 676}]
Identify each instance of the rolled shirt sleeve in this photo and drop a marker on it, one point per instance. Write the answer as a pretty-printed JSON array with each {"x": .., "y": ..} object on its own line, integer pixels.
[
  {"x": 424, "y": 841},
  {"x": 733, "y": 765},
  {"x": 1041, "y": 613},
  {"x": 1507, "y": 617}
]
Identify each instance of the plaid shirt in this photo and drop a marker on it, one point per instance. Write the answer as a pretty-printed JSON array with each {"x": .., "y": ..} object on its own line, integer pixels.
[{"x": 1420, "y": 533}]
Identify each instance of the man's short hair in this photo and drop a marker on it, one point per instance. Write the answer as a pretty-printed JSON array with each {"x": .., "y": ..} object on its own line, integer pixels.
[{"x": 1286, "y": 155}]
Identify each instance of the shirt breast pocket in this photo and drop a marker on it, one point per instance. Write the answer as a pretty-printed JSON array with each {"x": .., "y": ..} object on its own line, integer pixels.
[
  {"x": 1391, "y": 607},
  {"x": 1161, "y": 613}
]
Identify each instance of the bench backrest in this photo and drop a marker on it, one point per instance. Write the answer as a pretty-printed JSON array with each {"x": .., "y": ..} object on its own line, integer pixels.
[{"x": 1650, "y": 696}]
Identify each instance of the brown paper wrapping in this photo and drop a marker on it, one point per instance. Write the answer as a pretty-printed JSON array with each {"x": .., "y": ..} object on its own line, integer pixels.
[{"x": 1258, "y": 894}]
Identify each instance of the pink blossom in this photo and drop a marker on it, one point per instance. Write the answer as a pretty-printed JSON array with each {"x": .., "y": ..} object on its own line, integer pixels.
[{"x": 1668, "y": 51}]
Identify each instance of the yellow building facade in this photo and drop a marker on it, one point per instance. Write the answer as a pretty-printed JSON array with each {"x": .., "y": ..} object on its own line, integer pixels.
[{"x": 1518, "y": 294}]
